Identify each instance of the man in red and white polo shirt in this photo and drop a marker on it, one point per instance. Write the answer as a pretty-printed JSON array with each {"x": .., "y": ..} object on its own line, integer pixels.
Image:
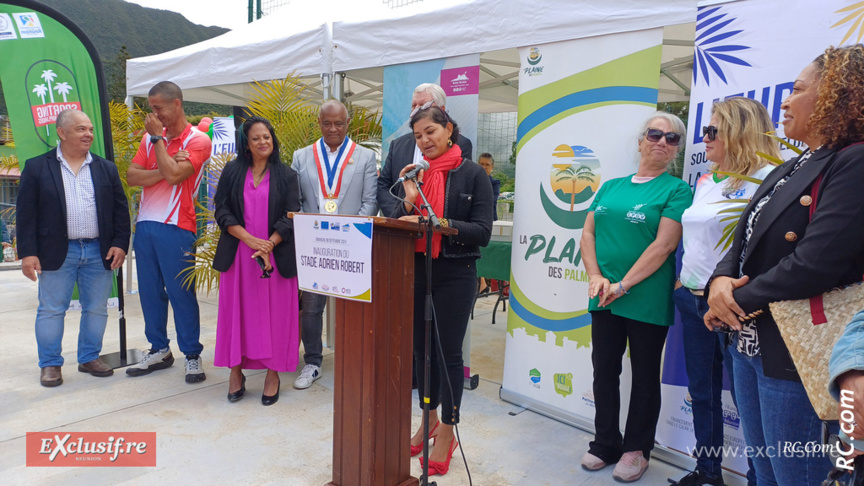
[{"x": 169, "y": 166}]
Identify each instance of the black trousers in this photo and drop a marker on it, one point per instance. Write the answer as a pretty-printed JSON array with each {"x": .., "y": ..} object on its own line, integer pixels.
[
  {"x": 609, "y": 337},
  {"x": 453, "y": 287}
]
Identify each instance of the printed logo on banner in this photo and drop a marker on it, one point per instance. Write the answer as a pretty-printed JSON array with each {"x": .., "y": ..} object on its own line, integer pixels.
[
  {"x": 51, "y": 88},
  {"x": 714, "y": 45},
  {"x": 29, "y": 25},
  {"x": 534, "y": 375},
  {"x": 534, "y": 58},
  {"x": 91, "y": 449},
  {"x": 563, "y": 383},
  {"x": 6, "y": 29},
  {"x": 461, "y": 81},
  {"x": 688, "y": 405},
  {"x": 731, "y": 417},
  {"x": 588, "y": 398},
  {"x": 571, "y": 183}
]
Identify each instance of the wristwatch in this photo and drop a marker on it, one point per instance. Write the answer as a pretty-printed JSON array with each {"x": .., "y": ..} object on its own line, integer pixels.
[{"x": 154, "y": 139}]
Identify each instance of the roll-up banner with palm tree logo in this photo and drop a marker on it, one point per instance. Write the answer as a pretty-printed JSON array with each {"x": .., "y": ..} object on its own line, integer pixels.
[
  {"x": 581, "y": 104},
  {"x": 48, "y": 65}
]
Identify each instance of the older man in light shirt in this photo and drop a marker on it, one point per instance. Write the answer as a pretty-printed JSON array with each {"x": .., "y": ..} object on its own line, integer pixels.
[{"x": 73, "y": 227}]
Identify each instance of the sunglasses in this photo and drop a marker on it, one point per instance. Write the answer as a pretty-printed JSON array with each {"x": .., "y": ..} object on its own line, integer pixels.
[
  {"x": 424, "y": 106},
  {"x": 709, "y": 133},
  {"x": 654, "y": 135}
]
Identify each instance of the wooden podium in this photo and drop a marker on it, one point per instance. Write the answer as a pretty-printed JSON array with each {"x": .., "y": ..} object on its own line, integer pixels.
[{"x": 372, "y": 398}]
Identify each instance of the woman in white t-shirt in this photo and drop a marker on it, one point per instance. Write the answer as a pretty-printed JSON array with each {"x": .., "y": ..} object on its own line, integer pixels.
[{"x": 736, "y": 132}]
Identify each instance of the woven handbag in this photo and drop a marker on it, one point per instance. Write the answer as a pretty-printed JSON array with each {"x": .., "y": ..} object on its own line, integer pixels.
[{"x": 811, "y": 327}]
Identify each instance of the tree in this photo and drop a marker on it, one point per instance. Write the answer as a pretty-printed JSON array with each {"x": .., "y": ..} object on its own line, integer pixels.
[
  {"x": 115, "y": 74},
  {"x": 295, "y": 120},
  {"x": 580, "y": 173}
]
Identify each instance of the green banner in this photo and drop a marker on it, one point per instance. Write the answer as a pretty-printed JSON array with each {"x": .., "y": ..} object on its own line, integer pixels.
[{"x": 48, "y": 65}]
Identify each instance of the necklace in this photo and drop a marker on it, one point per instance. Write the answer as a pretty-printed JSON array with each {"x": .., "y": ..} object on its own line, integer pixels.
[{"x": 259, "y": 177}]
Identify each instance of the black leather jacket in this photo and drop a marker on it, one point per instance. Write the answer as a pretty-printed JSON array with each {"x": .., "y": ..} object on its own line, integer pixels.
[{"x": 468, "y": 208}]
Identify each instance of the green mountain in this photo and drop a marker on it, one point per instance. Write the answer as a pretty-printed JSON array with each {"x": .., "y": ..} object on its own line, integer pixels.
[
  {"x": 122, "y": 30},
  {"x": 111, "y": 24}
]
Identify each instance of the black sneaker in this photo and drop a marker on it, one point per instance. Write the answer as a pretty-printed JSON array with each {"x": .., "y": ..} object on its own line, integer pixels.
[
  {"x": 153, "y": 360},
  {"x": 194, "y": 373},
  {"x": 698, "y": 478}
]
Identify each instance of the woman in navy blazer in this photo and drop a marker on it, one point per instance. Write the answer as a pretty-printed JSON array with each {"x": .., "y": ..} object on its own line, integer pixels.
[{"x": 783, "y": 250}]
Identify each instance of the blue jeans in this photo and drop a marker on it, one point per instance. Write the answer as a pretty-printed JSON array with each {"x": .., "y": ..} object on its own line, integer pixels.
[
  {"x": 83, "y": 265},
  {"x": 777, "y": 418},
  {"x": 703, "y": 357},
  {"x": 162, "y": 251}
]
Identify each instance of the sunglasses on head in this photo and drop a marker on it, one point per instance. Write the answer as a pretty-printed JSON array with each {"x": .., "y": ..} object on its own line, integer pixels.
[
  {"x": 709, "y": 133},
  {"x": 424, "y": 106},
  {"x": 654, "y": 135}
]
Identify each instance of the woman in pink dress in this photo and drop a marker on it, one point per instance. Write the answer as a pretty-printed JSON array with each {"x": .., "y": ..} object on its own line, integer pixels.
[{"x": 257, "y": 326}]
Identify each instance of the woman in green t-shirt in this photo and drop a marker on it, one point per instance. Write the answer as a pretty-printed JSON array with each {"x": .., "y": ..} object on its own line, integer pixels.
[{"x": 628, "y": 243}]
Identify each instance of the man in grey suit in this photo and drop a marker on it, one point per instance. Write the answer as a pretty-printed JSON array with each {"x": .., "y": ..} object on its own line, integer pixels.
[
  {"x": 337, "y": 176},
  {"x": 404, "y": 151}
]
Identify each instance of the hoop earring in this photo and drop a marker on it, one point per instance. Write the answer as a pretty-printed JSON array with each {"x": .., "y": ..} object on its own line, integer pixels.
[{"x": 449, "y": 142}]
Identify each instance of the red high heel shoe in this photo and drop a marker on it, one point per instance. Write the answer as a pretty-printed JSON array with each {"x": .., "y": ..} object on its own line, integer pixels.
[
  {"x": 419, "y": 448},
  {"x": 442, "y": 467}
]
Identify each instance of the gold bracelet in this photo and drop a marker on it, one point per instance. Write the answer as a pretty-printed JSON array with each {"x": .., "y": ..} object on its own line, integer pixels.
[{"x": 444, "y": 222}]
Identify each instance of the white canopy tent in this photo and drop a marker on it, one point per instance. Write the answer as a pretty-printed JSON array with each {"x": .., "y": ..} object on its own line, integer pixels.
[{"x": 355, "y": 39}]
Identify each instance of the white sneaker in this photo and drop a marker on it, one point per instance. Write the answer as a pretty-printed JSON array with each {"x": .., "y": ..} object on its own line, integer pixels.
[
  {"x": 630, "y": 467},
  {"x": 153, "y": 360},
  {"x": 308, "y": 376},
  {"x": 194, "y": 372}
]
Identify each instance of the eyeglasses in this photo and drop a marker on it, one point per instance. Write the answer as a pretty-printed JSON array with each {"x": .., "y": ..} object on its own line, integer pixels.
[
  {"x": 709, "y": 133},
  {"x": 424, "y": 106},
  {"x": 654, "y": 135}
]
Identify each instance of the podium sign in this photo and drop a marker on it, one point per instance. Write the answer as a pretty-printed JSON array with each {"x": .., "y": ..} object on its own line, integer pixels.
[{"x": 334, "y": 255}]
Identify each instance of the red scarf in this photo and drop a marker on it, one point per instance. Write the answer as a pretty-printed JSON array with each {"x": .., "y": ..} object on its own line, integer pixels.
[{"x": 434, "y": 186}]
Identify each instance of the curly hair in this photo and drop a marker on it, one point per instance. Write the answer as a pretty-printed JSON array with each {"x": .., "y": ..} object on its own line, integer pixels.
[
  {"x": 838, "y": 117},
  {"x": 742, "y": 125}
]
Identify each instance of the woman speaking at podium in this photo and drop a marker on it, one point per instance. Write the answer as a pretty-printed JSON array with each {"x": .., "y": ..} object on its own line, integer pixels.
[{"x": 461, "y": 197}]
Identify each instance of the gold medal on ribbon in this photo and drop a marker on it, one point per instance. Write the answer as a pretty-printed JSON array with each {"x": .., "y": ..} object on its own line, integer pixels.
[{"x": 330, "y": 206}]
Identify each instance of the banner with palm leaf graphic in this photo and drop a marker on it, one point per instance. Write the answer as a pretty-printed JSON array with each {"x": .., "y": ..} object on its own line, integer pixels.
[{"x": 49, "y": 65}]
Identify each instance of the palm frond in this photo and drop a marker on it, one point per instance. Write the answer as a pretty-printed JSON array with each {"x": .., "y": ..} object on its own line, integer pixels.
[
  {"x": 740, "y": 176},
  {"x": 770, "y": 158}
]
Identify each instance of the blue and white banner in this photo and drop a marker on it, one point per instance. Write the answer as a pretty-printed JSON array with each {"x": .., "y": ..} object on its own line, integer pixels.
[{"x": 756, "y": 49}]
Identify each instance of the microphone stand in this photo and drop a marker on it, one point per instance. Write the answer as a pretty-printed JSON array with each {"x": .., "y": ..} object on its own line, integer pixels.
[{"x": 429, "y": 223}]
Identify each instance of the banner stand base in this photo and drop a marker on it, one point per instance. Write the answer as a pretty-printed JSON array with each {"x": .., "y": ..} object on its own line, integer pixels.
[
  {"x": 115, "y": 362},
  {"x": 664, "y": 454},
  {"x": 471, "y": 382}
]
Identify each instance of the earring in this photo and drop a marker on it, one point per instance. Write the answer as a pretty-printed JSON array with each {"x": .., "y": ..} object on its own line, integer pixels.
[{"x": 449, "y": 143}]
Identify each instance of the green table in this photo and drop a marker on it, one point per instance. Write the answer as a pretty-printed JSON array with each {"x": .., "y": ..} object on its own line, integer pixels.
[{"x": 494, "y": 263}]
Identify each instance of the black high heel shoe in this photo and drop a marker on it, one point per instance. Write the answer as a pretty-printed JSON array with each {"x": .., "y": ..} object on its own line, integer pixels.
[
  {"x": 268, "y": 400},
  {"x": 236, "y": 396}
]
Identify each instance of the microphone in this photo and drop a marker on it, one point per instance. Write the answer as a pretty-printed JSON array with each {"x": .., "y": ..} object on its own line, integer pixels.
[
  {"x": 264, "y": 272},
  {"x": 421, "y": 165}
]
